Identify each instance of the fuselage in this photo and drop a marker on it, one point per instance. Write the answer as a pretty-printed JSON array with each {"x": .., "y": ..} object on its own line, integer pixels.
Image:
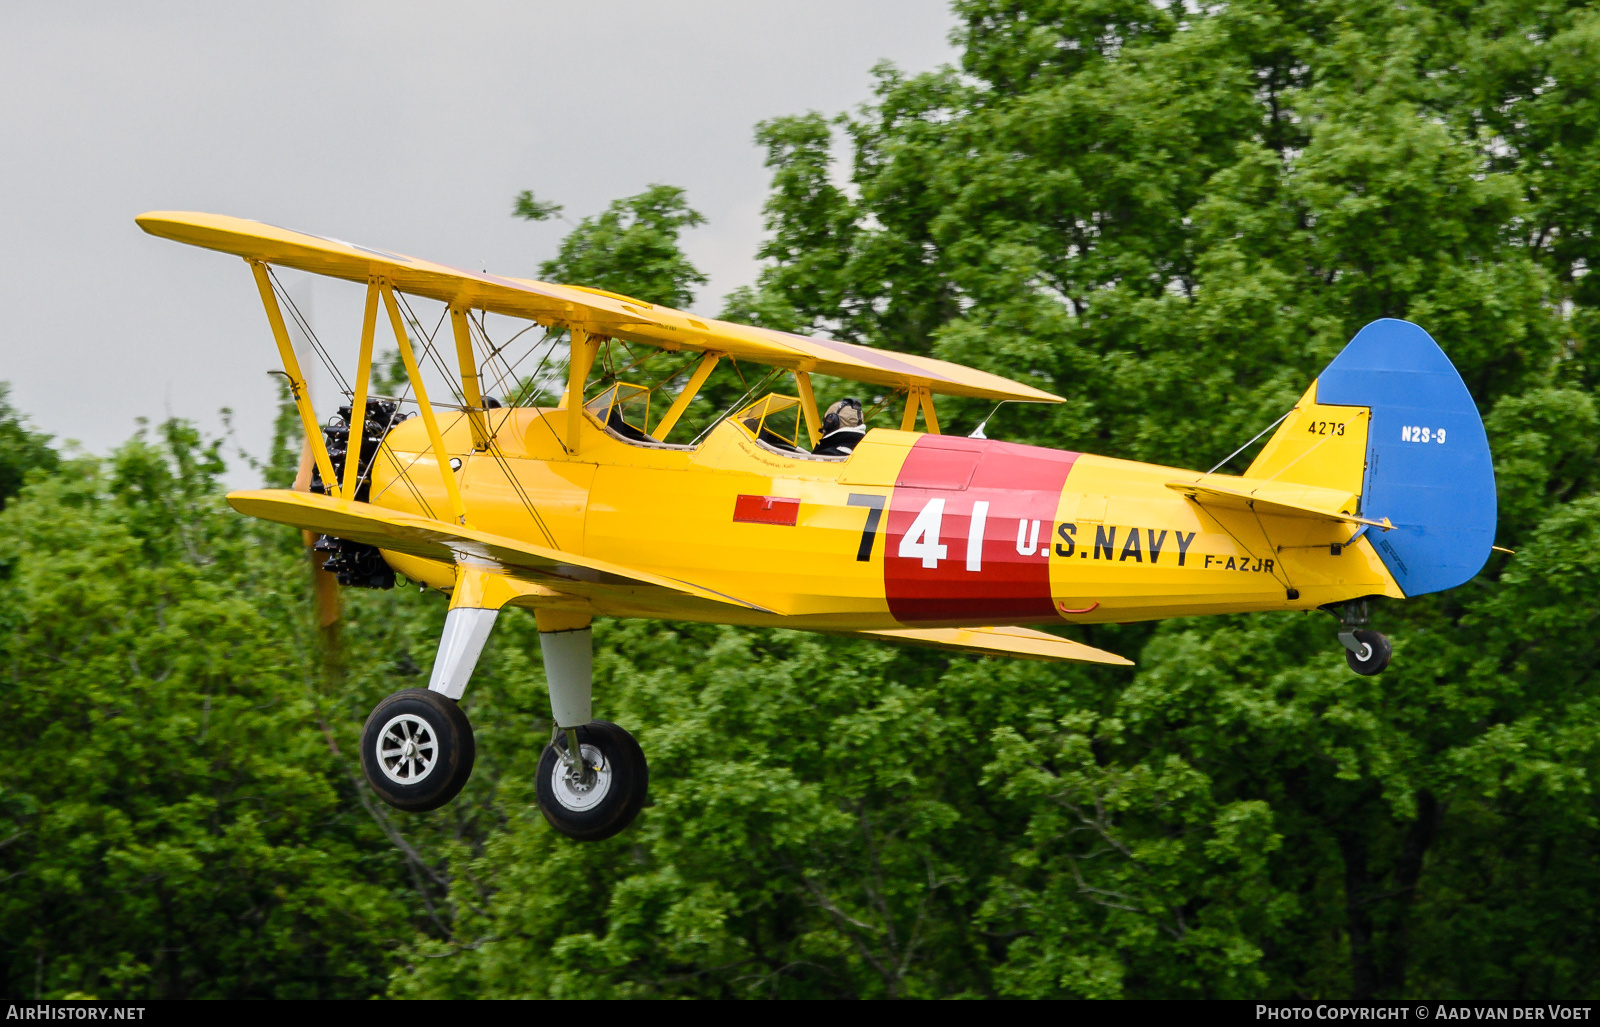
[{"x": 910, "y": 530}]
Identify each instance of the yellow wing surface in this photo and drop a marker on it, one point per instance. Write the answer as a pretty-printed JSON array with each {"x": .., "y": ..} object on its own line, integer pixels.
[
  {"x": 436, "y": 540},
  {"x": 591, "y": 310},
  {"x": 1006, "y": 641}
]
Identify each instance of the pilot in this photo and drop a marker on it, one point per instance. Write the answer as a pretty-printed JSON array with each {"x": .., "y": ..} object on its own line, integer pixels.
[{"x": 841, "y": 428}]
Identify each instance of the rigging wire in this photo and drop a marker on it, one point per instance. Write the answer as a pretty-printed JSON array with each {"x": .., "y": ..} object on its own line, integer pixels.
[
  {"x": 493, "y": 450},
  {"x": 404, "y": 473},
  {"x": 522, "y": 494},
  {"x": 428, "y": 345},
  {"x": 977, "y": 433},
  {"x": 532, "y": 387},
  {"x": 478, "y": 330},
  {"x": 333, "y": 370},
  {"x": 883, "y": 402},
  {"x": 405, "y": 477},
  {"x": 1277, "y": 564},
  {"x": 533, "y": 382},
  {"x": 677, "y": 371},
  {"x": 760, "y": 384},
  {"x": 633, "y": 365},
  {"x": 492, "y": 447},
  {"x": 304, "y": 325},
  {"x": 552, "y": 336},
  {"x": 483, "y": 331},
  {"x": 1252, "y": 442}
]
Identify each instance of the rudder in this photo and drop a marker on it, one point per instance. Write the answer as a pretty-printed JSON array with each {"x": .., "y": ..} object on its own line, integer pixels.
[{"x": 1410, "y": 441}]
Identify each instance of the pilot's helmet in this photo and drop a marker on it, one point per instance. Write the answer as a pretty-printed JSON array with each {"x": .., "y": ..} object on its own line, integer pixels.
[{"x": 846, "y": 413}]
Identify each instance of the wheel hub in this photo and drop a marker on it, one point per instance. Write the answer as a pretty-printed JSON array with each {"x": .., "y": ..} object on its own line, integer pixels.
[
  {"x": 407, "y": 749},
  {"x": 576, "y": 790}
]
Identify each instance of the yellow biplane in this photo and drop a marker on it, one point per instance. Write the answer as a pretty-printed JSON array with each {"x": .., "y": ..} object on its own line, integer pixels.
[{"x": 1377, "y": 483}]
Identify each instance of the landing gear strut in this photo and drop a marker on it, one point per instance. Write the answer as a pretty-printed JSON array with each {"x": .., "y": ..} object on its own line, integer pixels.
[
  {"x": 417, "y": 747},
  {"x": 592, "y": 777},
  {"x": 1367, "y": 652}
]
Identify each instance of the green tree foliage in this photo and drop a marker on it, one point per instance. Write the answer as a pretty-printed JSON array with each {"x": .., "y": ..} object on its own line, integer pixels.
[
  {"x": 21, "y": 449},
  {"x": 631, "y": 248},
  {"x": 173, "y": 822},
  {"x": 529, "y": 209}
]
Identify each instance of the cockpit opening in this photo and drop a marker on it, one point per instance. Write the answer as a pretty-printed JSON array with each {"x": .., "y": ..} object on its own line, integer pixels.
[
  {"x": 775, "y": 420},
  {"x": 625, "y": 409},
  {"x": 786, "y": 424}
]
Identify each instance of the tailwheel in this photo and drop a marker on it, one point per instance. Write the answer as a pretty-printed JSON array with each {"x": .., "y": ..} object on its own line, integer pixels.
[
  {"x": 417, "y": 749},
  {"x": 1366, "y": 651},
  {"x": 1370, "y": 654},
  {"x": 600, "y": 796}
]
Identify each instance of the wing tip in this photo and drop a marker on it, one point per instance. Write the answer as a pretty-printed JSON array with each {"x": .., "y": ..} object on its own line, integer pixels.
[
  {"x": 154, "y": 221},
  {"x": 159, "y": 217}
]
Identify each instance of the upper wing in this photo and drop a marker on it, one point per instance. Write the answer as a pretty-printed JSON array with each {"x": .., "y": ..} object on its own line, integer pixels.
[
  {"x": 600, "y": 312},
  {"x": 1283, "y": 499},
  {"x": 436, "y": 540},
  {"x": 1009, "y": 641}
]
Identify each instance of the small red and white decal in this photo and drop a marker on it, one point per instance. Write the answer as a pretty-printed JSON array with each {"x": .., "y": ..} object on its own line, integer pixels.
[{"x": 767, "y": 510}]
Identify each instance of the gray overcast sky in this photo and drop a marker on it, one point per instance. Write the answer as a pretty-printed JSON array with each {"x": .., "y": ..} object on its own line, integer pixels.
[{"x": 406, "y": 126}]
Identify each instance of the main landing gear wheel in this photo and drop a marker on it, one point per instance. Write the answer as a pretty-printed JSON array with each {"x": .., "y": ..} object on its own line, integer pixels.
[
  {"x": 1371, "y": 654},
  {"x": 600, "y": 798},
  {"x": 417, "y": 750}
]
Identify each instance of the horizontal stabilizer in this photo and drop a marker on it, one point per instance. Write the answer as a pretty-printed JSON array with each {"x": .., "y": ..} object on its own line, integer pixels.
[
  {"x": 1283, "y": 500},
  {"x": 437, "y": 540},
  {"x": 1008, "y": 641}
]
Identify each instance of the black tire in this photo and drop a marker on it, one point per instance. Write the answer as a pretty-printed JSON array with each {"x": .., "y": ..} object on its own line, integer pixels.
[
  {"x": 409, "y": 781},
  {"x": 1377, "y": 655},
  {"x": 624, "y": 776}
]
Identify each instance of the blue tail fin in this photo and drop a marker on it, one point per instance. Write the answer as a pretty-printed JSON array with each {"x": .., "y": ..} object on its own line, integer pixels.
[{"x": 1428, "y": 465}]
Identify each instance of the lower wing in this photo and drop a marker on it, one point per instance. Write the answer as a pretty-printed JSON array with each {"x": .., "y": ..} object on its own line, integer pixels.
[
  {"x": 1008, "y": 641},
  {"x": 449, "y": 543}
]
